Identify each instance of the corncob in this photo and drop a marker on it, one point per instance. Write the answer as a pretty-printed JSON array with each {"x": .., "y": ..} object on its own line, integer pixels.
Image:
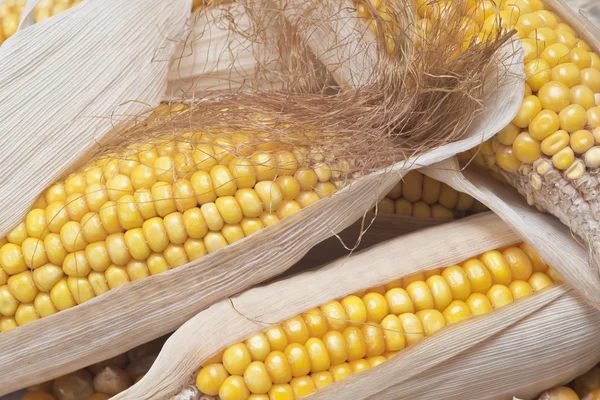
[
  {"x": 420, "y": 196},
  {"x": 584, "y": 387},
  {"x": 102, "y": 380},
  {"x": 154, "y": 207},
  {"x": 362, "y": 330},
  {"x": 551, "y": 150}
]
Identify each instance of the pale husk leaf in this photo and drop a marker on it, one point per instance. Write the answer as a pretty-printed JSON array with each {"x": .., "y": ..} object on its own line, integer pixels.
[
  {"x": 144, "y": 310},
  {"x": 57, "y": 77},
  {"x": 217, "y": 55},
  {"x": 544, "y": 232},
  {"x": 503, "y": 346}
]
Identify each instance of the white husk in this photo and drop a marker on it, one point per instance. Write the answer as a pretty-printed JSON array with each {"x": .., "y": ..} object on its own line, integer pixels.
[
  {"x": 544, "y": 232},
  {"x": 66, "y": 127},
  {"x": 215, "y": 57},
  {"x": 487, "y": 357},
  {"x": 61, "y": 78}
]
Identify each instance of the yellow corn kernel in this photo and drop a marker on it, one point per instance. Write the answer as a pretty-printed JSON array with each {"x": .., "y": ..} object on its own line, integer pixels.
[
  {"x": 396, "y": 192},
  {"x": 277, "y": 338},
  {"x": 302, "y": 386},
  {"x": 270, "y": 195},
  {"x": 555, "y": 142},
  {"x": 538, "y": 72},
  {"x": 7, "y": 323},
  {"x": 582, "y": 141},
  {"x": 117, "y": 249},
  {"x": 137, "y": 270},
  {"x": 568, "y": 74},
  {"x": 528, "y": 22},
  {"x": 412, "y": 186},
  {"x": 296, "y": 330},
  {"x": 22, "y": 287},
  {"x": 117, "y": 187},
  {"x": 583, "y": 96},
  {"x": 408, "y": 279},
  {"x": 212, "y": 217},
  {"x": 116, "y": 276},
  {"x": 478, "y": 275},
  {"x": 386, "y": 206},
  {"x": 520, "y": 289},
  {"x": 594, "y": 117},
  {"x": 322, "y": 379},
  {"x": 98, "y": 282},
  {"x": 257, "y": 378},
  {"x": 236, "y": 359},
  {"x": 57, "y": 216},
  {"x": 458, "y": 281},
  {"x": 325, "y": 189},
  {"x": 203, "y": 187},
  {"x": 184, "y": 195},
  {"x": 18, "y": 234},
  {"x": 61, "y": 296},
  {"x": 441, "y": 292},
  {"x": 258, "y": 346},
  {"x": 399, "y": 301},
  {"x": 530, "y": 107},
  {"x": 47, "y": 276},
  {"x": 11, "y": 259},
  {"x": 97, "y": 256},
  {"x": 359, "y": 365},
  {"x": 337, "y": 348},
  {"x": 43, "y": 305},
  {"x": 34, "y": 253},
  {"x": 76, "y": 206},
  {"x": 75, "y": 184},
  {"x": 92, "y": 229},
  {"x": 573, "y": 118},
  {"x": 411, "y": 327},
  {"x": 356, "y": 345},
  {"x": 56, "y": 193},
  {"x": 278, "y": 367},
  {"x": 211, "y": 378},
  {"x": 54, "y": 249},
  {"x": 80, "y": 288},
  {"x": 421, "y": 295},
  {"x": 478, "y": 303},
  {"x": 8, "y": 303},
  {"x": 233, "y": 388},
  {"x": 498, "y": 267},
  {"x": 319, "y": 357},
  {"x": 356, "y": 310},
  {"x": 539, "y": 281},
  {"x": 563, "y": 159},
  {"x": 456, "y": 312},
  {"x": 287, "y": 208},
  {"x": 72, "y": 237},
  {"x": 25, "y": 314},
  {"x": 108, "y": 216},
  {"x": 431, "y": 190},
  {"x": 507, "y": 135},
  {"x": 376, "y": 306},
  {"x": 526, "y": 148},
  {"x": 421, "y": 210},
  {"x": 544, "y": 124},
  {"x": 519, "y": 263},
  {"x": 431, "y": 320},
  {"x": 35, "y": 223},
  {"x": 374, "y": 339},
  {"x": 499, "y": 296},
  {"x": 336, "y": 315},
  {"x": 403, "y": 207},
  {"x": 506, "y": 159}
]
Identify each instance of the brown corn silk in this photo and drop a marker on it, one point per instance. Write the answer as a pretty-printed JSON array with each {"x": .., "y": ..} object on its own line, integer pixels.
[
  {"x": 388, "y": 125},
  {"x": 438, "y": 366},
  {"x": 557, "y": 244}
]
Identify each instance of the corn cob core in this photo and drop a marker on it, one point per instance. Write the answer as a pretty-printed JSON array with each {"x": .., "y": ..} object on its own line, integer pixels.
[
  {"x": 145, "y": 211},
  {"x": 10, "y": 13},
  {"x": 420, "y": 196},
  {"x": 346, "y": 336},
  {"x": 102, "y": 380}
]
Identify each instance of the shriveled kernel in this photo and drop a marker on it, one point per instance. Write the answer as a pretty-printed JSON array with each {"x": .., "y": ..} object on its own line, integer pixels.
[{"x": 575, "y": 171}]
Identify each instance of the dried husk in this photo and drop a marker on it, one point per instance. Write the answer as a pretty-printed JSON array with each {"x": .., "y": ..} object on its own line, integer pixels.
[
  {"x": 219, "y": 54},
  {"x": 503, "y": 346},
  {"x": 58, "y": 76}
]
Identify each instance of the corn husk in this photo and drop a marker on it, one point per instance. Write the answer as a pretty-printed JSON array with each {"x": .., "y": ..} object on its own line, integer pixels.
[
  {"x": 520, "y": 349},
  {"x": 144, "y": 310},
  {"x": 216, "y": 57}
]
